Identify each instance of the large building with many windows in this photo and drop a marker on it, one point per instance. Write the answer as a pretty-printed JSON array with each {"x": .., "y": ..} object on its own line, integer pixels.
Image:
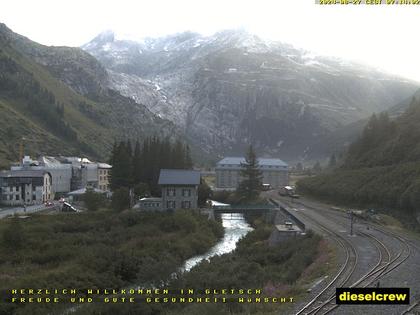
[
  {"x": 69, "y": 173},
  {"x": 275, "y": 172},
  {"x": 28, "y": 187}
]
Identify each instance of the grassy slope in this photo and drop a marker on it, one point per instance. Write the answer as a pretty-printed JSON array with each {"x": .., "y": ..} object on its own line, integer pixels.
[{"x": 18, "y": 123}]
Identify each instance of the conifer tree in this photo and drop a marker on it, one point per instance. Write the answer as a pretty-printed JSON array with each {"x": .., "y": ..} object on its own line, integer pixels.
[
  {"x": 251, "y": 185},
  {"x": 188, "y": 160},
  {"x": 142, "y": 164}
]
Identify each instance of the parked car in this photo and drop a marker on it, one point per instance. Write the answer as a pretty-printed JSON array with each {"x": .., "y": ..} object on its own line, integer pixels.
[
  {"x": 68, "y": 208},
  {"x": 49, "y": 204}
]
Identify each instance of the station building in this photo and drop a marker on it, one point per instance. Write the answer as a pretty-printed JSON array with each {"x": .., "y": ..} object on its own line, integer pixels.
[{"x": 275, "y": 172}]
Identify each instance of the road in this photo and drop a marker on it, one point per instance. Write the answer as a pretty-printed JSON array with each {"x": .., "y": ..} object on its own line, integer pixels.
[
  {"x": 5, "y": 212},
  {"x": 372, "y": 254}
]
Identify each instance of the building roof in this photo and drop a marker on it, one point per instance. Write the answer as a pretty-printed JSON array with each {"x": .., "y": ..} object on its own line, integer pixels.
[
  {"x": 215, "y": 203},
  {"x": 104, "y": 165},
  {"x": 261, "y": 161},
  {"x": 82, "y": 191},
  {"x": 150, "y": 199},
  {"x": 23, "y": 173},
  {"x": 179, "y": 177}
]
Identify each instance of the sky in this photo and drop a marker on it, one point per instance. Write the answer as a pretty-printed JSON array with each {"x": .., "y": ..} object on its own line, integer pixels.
[{"x": 383, "y": 36}]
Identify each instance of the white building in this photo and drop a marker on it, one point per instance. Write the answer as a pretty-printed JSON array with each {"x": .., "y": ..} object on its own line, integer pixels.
[
  {"x": 25, "y": 187},
  {"x": 61, "y": 173},
  {"x": 275, "y": 172},
  {"x": 69, "y": 173}
]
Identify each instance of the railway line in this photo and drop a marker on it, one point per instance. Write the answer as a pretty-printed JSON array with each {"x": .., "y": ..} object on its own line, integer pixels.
[{"x": 388, "y": 260}]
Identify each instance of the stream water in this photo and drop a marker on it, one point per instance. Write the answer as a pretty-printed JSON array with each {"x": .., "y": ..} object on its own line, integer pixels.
[{"x": 235, "y": 227}]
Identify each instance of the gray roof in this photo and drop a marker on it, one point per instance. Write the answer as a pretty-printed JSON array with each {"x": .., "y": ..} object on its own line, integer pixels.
[
  {"x": 82, "y": 191},
  {"x": 23, "y": 173},
  {"x": 104, "y": 165},
  {"x": 261, "y": 161},
  {"x": 179, "y": 177}
]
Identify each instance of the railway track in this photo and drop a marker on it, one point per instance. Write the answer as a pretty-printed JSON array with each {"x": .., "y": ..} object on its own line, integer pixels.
[
  {"x": 343, "y": 275},
  {"x": 386, "y": 263},
  {"x": 413, "y": 309}
]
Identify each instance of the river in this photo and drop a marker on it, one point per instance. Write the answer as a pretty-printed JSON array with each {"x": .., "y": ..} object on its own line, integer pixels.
[{"x": 235, "y": 227}]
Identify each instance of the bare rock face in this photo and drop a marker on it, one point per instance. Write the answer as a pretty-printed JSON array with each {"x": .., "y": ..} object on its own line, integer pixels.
[{"x": 233, "y": 88}]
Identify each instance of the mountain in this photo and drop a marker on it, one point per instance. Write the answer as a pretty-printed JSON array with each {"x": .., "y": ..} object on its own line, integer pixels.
[
  {"x": 233, "y": 88},
  {"x": 58, "y": 100},
  {"x": 381, "y": 168}
]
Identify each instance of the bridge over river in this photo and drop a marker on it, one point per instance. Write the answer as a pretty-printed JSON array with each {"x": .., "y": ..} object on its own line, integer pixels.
[{"x": 244, "y": 208}]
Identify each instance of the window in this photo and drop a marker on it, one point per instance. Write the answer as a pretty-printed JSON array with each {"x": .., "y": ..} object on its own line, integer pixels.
[
  {"x": 170, "y": 204},
  {"x": 17, "y": 188},
  {"x": 171, "y": 192},
  {"x": 186, "y": 205},
  {"x": 17, "y": 197},
  {"x": 33, "y": 197},
  {"x": 186, "y": 192}
]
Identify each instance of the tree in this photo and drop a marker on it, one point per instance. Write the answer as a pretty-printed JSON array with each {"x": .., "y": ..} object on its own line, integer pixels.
[
  {"x": 251, "y": 185},
  {"x": 137, "y": 164},
  {"x": 141, "y": 190},
  {"x": 93, "y": 200},
  {"x": 121, "y": 172},
  {"x": 317, "y": 167},
  {"x": 121, "y": 199},
  {"x": 188, "y": 164},
  {"x": 204, "y": 192},
  {"x": 143, "y": 164},
  {"x": 333, "y": 161}
]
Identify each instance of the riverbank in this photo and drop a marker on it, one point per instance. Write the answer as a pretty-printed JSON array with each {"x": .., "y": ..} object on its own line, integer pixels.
[
  {"x": 97, "y": 250},
  {"x": 276, "y": 270},
  {"x": 253, "y": 270}
]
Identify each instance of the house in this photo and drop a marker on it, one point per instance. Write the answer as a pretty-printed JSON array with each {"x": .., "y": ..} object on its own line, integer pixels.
[
  {"x": 179, "y": 188},
  {"x": 25, "y": 187},
  {"x": 275, "y": 172}
]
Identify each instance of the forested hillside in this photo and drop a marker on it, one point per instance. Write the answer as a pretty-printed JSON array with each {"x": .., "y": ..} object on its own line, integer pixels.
[{"x": 381, "y": 168}]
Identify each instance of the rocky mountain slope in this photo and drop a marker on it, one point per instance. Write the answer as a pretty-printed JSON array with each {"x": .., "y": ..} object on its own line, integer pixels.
[
  {"x": 57, "y": 98},
  {"x": 233, "y": 88}
]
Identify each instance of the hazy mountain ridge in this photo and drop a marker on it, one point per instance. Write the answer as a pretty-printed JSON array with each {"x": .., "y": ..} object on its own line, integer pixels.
[{"x": 233, "y": 87}]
